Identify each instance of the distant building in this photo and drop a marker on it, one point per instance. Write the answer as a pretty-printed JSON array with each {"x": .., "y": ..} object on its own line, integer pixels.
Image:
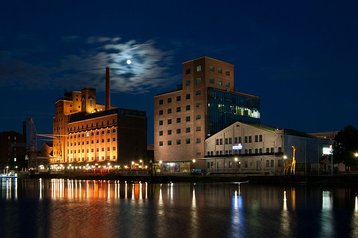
[
  {"x": 12, "y": 150},
  {"x": 259, "y": 149},
  {"x": 328, "y": 135},
  {"x": 87, "y": 133},
  {"x": 205, "y": 103}
]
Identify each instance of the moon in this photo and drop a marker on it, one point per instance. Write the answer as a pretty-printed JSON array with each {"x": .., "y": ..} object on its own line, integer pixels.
[{"x": 129, "y": 61}]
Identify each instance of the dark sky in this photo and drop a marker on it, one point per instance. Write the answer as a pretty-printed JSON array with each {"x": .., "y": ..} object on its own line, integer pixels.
[{"x": 300, "y": 57}]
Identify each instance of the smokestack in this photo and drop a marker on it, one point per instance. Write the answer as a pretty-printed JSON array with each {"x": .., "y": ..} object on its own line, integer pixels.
[{"x": 108, "y": 99}]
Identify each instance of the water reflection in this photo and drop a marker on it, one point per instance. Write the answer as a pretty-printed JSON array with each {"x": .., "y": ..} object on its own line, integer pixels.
[
  {"x": 130, "y": 209},
  {"x": 8, "y": 188}
]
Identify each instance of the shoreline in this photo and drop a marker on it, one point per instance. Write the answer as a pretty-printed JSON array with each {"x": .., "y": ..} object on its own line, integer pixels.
[{"x": 336, "y": 180}]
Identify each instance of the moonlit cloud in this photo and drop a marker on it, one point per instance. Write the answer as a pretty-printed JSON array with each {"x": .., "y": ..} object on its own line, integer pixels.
[{"x": 85, "y": 66}]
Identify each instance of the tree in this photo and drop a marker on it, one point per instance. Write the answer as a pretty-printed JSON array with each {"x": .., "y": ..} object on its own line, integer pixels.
[{"x": 346, "y": 145}]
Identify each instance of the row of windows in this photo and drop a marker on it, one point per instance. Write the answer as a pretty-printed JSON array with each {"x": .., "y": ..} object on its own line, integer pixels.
[
  {"x": 247, "y": 139},
  {"x": 92, "y": 150},
  {"x": 198, "y": 68},
  {"x": 178, "y": 120},
  {"x": 92, "y": 133},
  {"x": 90, "y": 159},
  {"x": 179, "y": 142},
  {"x": 232, "y": 164},
  {"x": 178, "y": 109},
  {"x": 198, "y": 81},
  {"x": 246, "y": 151},
  {"x": 92, "y": 142},
  {"x": 170, "y": 100},
  {"x": 91, "y": 126},
  {"x": 178, "y": 131}
]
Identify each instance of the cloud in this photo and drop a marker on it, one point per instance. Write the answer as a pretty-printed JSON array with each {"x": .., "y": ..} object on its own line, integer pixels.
[{"x": 85, "y": 67}]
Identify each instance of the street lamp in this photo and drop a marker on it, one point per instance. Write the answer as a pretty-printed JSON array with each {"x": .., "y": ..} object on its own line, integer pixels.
[
  {"x": 355, "y": 154},
  {"x": 194, "y": 160},
  {"x": 284, "y": 156}
]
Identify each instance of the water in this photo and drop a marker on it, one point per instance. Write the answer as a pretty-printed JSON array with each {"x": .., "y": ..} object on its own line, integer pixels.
[{"x": 75, "y": 208}]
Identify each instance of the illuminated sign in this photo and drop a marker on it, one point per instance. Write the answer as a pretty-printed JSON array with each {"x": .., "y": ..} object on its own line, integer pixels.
[
  {"x": 237, "y": 147},
  {"x": 327, "y": 150}
]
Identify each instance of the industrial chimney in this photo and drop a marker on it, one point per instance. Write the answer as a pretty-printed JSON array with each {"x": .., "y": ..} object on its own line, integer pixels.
[{"x": 108, "y": 99}]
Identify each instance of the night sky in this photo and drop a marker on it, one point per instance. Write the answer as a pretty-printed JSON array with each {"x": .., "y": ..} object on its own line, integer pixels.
[{"x": 300, "y": 57}]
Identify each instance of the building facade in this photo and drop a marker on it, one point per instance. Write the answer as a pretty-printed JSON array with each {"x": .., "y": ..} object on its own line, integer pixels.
[
  {"x": 205, "y": 103},
  {"x": 258, "y": 149},
  {"x": 87, "y": 133},
  {"x": 12, "y": 150}
]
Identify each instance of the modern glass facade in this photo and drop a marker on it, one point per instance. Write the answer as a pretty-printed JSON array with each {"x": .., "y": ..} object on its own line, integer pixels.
[{"x": 225, "y": 108}]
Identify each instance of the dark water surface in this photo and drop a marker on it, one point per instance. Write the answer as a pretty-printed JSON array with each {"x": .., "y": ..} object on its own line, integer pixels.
[{"x": 78, "y": 208}]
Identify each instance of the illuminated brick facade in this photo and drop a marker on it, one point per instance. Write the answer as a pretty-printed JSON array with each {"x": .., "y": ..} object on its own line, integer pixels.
[{"x": 84, "y": 132}]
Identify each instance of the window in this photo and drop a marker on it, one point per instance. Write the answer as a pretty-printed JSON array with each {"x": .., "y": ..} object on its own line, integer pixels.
[
  {"x": 256, "y": 151},
  {"x": 198, "y": 68},
  {"x": 235, "y": 140},
  {"x": 161, "y": 102},
  {"x": 160, "y": 133},
  {"x": 169, "y": 100},
  {"x": 169, "y": 142},
  {"x": 178, "y": 98},
  {"x": 160, "y": 143},
  {"x": 160, "y": 123},
  {"x": 169, "y": 121},
  {"x": 267, "y": 150},
  {"x": 260, "y": 138},
  {"x": 220, "y": 82},
  {"x": 226, "y": 141},
  {"x": 178, "y": 142},
  {"x": 169, "y": 132},
  {"x": 178, "y": 131},
  {"x": 217, "y": 141},
  {"x": 187, "y": 141},
  {"x": 187, "y": 83},
  {"x": 220, "y": 70},
  {"x": 256, "y": 138},
  {"x": 198, "y": 140},
  {"x": 227, "y": 73},
  {"x": 240, "y": 139},
  {"x": 178, "y": 120},
  {"x": 187, "y": 96},
  {"x": 272, "y": 163},
  {"x": 198, "y": 92},
  {"x": 178, "y": 109},
  {"x": 221, "y": 141},
  {"x": 187, "y": 119},
  {"x": 250, "y": 139},
  {"x": 211, "y": 68},
  {"x": 197, "y": 105},
  {"x": 187, "y": 130},
  {"x": 230, "y": 141},
  {"x": 227, "y": 85},
  {"x": 198, "y": 117},
  {"x": 187, "y": 107},
  {"x": 169, "y": 111},
  {"x": 267, "y": 163},
  {"x": 197, "y": 81},
  {"x": 187, "y": 71},
  {"x": 212, "y": 81},
  {"x": 198, "y": 128},
  {"x": 160, "y": 112}
]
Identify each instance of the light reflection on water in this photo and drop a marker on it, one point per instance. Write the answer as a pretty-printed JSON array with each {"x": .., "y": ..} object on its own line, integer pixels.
[{"x": 99, "y": 208}]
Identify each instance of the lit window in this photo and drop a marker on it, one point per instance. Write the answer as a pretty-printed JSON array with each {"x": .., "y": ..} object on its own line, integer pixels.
[{"x": 198, "y": 68}]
